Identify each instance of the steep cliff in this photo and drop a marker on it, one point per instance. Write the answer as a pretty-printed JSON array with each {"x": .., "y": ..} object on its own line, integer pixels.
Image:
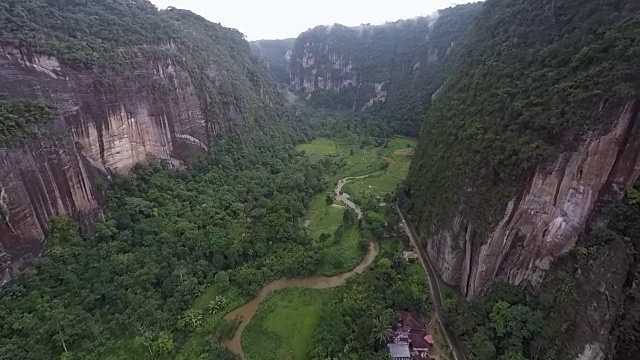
[
  {"x": 535, "y": 126},
  {"x": 393, "y": 69},
  {"x": 126, "y": 81},
  {"x": 276, "y": 54}
]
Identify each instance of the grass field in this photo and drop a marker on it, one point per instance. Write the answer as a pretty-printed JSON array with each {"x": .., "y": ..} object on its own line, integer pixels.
[
  {"x": 340, "y": 256},
  {"x": 399, "y": 155},
  {"x": 284, "y": 324},
  {"x": 323, "y": 218}
]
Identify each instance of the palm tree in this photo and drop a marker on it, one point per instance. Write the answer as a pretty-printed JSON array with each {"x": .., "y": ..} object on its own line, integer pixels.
[{"x": 381, "y": 329}]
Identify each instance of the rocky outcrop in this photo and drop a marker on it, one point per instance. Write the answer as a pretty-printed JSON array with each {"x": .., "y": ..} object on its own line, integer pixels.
[
  {"x": 546, "y": 220},
  {"x": 106, "y": 122}
]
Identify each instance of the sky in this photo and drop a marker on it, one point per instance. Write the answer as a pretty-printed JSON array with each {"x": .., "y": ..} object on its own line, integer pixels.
[{"x": 280, "y": 19}]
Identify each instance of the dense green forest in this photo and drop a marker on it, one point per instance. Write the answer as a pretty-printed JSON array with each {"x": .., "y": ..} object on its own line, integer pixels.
[{"x": 531, "y": 78}]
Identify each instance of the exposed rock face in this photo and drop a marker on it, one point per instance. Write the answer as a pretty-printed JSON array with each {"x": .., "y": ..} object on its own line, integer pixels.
[
  {"x": 39, "y": 180},
  {"x": 106, "y": 123},
  {"x": 314, "y": 75},
  {"x": 546, "y": 220}
]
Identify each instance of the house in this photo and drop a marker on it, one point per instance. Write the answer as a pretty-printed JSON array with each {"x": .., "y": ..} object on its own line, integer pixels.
[
  {"x": 410, "y": 340},
  {"x": 409, "y": 255}
]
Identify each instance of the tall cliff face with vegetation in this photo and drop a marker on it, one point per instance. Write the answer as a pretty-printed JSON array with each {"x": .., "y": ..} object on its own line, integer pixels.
[
  {"x": 532, "y": 138},
  {"x": 391, "y": 69},
  {"x": 276, "y": 55},
  {"x": 92, "y": 88}
]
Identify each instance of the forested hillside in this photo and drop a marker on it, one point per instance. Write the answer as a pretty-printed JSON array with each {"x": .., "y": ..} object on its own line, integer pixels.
[
  {"x": 529, "y": 83},
  {"x": 93, "y": 87},
  {"x": 532, "y": 135},
  {"x": 392, "y": 69}
]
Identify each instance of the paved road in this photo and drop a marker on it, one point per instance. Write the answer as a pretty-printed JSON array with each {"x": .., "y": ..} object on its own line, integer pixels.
[{"x": 454, "y": 344}]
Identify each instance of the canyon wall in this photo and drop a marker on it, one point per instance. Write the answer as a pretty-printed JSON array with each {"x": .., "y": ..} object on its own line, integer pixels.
[
  {"x": 544, "y": 221},
  {"x": 392, "y": 68},
  {"x": 164, "y": 99},
  {"x": 527, "y": 142},
  {"x": 100, "y": 128}
]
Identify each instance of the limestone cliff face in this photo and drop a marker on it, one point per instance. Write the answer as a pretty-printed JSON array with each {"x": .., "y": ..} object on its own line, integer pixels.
[
  {"x": 393, "y": 68},
  {"x": 312, "y": 74},
  {"x": 106, "y": 122},
  {"x": 546, "y": 220}
]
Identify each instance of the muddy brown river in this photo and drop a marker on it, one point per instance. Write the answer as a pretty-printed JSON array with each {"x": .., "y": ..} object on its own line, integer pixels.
[{"x": 248, "y": 310}]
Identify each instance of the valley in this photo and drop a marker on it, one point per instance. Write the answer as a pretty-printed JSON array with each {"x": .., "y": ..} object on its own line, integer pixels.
[
  {"x": 171, "y": 190},
  {"x": 286, "y": 317}
]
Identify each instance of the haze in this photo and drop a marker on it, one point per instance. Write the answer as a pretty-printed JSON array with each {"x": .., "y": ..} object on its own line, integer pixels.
[{"x": 280, "y": 19}]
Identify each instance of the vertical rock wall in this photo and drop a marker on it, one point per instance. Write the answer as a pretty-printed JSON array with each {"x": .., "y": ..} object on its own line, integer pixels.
[
  {"x": 545, "y": 221},
  {"x": 106, "y": 122}
]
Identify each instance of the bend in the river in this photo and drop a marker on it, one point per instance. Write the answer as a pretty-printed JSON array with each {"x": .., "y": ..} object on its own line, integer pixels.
[{"x": 248, "y": 310}]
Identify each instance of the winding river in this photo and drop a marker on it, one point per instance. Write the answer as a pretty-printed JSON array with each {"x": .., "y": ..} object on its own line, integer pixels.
[{"x": 248, "y": 310}]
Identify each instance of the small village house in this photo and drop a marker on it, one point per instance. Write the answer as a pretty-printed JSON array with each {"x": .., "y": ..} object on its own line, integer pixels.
[{"x": 410, "y": 340}]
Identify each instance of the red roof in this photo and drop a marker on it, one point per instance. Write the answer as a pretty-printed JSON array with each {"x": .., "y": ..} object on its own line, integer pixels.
[{"x": 429, "y": 339}]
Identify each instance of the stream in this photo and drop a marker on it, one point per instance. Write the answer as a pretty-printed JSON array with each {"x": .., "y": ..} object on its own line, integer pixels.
[{"x": 248, "y": 310}]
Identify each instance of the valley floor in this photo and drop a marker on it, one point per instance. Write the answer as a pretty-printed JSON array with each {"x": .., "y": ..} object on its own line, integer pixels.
[{"x": 286, "y": 324}]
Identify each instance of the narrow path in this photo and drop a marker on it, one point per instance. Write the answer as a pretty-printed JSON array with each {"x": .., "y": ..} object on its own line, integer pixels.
[
  {"x": 454, "y": 344},
  {"x": 248, "y": 310}
]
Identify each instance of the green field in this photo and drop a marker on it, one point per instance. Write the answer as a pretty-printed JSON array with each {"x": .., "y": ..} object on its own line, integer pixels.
[
  {"x": 357, "y": 159},
  {"x": 338, "y": 256},
  {"x": 323, "y": 218},
  {"x": 284, "y": 324},
  {"x": 378, "y": 185}
]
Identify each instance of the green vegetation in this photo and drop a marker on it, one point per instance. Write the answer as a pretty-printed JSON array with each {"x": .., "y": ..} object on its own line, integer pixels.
[
  {"x": 349, "y": 156},
  {"x": 354, "y": 317},
  {"x": 284, "y": 325},
  {"x": 531, "y": 78},
  {"x": 406, "y": 57},
  {"x": 20, "y": 119},
  {"x": 342, "y": 248},
  {"x": 310, "y": 324},
  {"x": 232, "y": 222},
  {"x": 380, "y": 185}
]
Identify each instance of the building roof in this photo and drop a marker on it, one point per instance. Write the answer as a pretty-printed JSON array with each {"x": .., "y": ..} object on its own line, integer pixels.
[
  {"x": 412, "y": 320},
  {"x": 399, "y": 351},
  {"x": 429, "y": 339}
]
